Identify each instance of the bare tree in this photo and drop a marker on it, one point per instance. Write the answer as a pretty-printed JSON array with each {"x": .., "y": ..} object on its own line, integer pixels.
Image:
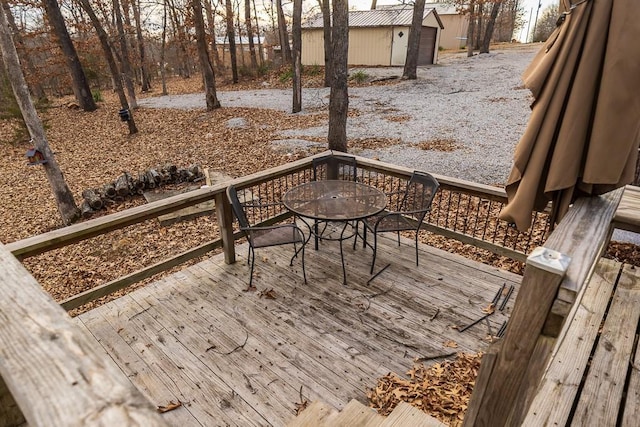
[
  {"x": 284, "y": 34},
  {"x": 35, "y": 85},
  {"x": 125, "y": 59},
  {"x": 181, "y": 37},
  {"x": 205, "y": 61},
  {"x": 144, "y": 74},
  {"x": 413, "y": 47},
  {"x": 232, "y": 41},
  {"x": 471, "y": 28},
  {"x": 67, "y": 207},
  {"x": 488, "y": 31},
  {"x": 297, "y": 56},
  {"x": 339, "y": 97},
  {"x": 260, "y": 48},
  {"x": 163, "y": 48},
  {"x": 247, "y": 23},
  {"x": 79, "y": 82},
  {"x": 113, "y": 66},
  {"x": 212, "y": 34},
  {"x": 546, "y": 23},
  {"x": 326, "y": 29}
]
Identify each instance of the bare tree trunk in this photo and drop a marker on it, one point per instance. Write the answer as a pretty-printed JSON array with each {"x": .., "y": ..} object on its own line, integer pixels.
[
  {"x": 284, "y": 35},
  {"x": 326, "y": 29},
  {"x": 470, "y": 29},
  {"x": 297, "y": 56},
  {"x": 232, "y": 41},
  {"x": 67, "y": 207},
  {"x": 163, "y": 48},
  {"x": 127, "y": 71},
  {"x": 247, "y": 23},
  {"x": 212, "y": 35},
  {"x": 36, "y": 87},
  {"x": 339, "y": 97},
  {"x": 205, "y": 61},
  {"x": 413, "y": 47},
  {"x": 113, "y": 66},
  {"x": 144, "y": 74},
  {"x": 239, "y": 32},
  {"x": 479, "y": 24},
  {"x": 488, "y": 32},
  {"x": 260, "y": 48},
  {"x": 79, "y": 82},
  {"x": 181, "y": 37}
]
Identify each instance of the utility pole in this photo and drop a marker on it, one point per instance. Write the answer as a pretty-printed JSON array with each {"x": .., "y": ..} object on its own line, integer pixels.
[
  {"x": 536, "y": 21},
  {"x": 529, "y": 25}
]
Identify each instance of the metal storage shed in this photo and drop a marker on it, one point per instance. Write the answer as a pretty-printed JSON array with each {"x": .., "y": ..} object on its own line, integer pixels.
[{"x": 377, "y": 37}]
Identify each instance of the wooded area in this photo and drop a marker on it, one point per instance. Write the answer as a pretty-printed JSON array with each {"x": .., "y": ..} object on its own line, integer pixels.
[
  {"x": 85, "y": 47},
  {"x": 64, "y": 46}
]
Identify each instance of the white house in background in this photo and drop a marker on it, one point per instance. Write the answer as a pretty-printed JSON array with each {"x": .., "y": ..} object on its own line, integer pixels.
[
  {"x": 377, "y": 37},
  {"x": 454, "y": 34}
]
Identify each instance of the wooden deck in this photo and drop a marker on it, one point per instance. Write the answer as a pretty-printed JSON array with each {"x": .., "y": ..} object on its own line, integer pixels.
[{"x": 245, "y": 358}]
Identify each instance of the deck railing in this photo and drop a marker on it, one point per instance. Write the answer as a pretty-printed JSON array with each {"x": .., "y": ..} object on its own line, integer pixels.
[{"x": 463, "y": 210}]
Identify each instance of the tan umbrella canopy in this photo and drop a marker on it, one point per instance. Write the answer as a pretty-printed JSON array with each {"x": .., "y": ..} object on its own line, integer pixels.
[{"x": 583, "y": 134}]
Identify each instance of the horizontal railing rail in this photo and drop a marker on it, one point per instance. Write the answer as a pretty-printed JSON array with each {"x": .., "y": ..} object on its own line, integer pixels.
[
  {"x": 51, "y": 372},
  {"x": 462, "y": 210}
]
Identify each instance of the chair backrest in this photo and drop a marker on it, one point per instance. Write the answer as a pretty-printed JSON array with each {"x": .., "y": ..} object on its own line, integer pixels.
[
  {"x": 335, "y": 166},
  {"x": 421, "y": 189},
  {"x": 238, "y": 210}
]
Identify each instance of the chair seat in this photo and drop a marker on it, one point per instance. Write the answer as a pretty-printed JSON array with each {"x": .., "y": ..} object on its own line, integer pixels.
[
  {"x": 282, "y": 235},
  {"x": 389, "y": 222}
]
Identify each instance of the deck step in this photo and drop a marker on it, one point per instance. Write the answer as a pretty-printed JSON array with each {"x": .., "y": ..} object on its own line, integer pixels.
[
  {"x": 355, "y": 414},
  {"x": 314, "y": 415},
  {"x": 405, "y": 415}
]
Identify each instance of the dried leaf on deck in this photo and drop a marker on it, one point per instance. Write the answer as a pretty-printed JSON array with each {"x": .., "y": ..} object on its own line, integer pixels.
[
  {"x": 268, "y": 294},
  {"x": 442, "y": 390},
  {"x": 169, "y": 406}
]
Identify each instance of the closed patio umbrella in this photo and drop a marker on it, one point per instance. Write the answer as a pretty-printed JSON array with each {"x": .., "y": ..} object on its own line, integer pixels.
[{"x": 583, "y": 134}]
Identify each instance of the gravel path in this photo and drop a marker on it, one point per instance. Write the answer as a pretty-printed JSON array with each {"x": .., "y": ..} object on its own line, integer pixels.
[{"x": 476, "y": 103}]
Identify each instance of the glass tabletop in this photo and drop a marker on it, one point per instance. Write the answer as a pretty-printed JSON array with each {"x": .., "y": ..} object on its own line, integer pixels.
[{"x": 335, "y": 200}]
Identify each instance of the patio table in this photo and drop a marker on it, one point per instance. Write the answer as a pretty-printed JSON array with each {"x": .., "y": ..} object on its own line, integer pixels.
[{"x": 334, "y": 201}]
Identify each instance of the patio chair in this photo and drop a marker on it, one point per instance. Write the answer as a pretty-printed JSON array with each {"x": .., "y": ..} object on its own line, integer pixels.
[
  {"x": 333, "y": 166},
  {"x": 415, "y": 204},
  {"x": 265, "y": 236}
]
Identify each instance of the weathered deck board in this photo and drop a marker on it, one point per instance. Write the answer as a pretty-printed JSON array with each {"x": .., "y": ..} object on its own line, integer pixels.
[
  {"x": 235, "y": 357},
  {"x": 627, "y": 215},
  {"x": 601, "y": 398},
  {"x": 557, "y": 391}
]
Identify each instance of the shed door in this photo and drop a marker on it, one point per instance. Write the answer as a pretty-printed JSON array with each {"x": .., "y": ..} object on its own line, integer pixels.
[
  {"x": 399, "y": 46},
  {"x": 427, "y": 45}
]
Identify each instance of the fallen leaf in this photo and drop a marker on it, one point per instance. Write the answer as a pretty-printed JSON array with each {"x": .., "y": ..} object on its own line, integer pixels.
[
  {"x": 268, "y": 294},
  {"x": 169, "y": 407}
]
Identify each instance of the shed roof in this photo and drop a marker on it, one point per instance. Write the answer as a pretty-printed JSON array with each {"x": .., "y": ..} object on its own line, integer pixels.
[{"x": 387, "y": 17}]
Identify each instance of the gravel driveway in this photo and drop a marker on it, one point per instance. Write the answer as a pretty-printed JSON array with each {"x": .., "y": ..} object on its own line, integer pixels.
[{"x": 477, "y": 104}]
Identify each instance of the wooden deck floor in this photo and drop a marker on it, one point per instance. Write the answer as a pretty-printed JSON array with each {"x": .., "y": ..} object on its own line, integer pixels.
[{"x": 245, "y": 358}]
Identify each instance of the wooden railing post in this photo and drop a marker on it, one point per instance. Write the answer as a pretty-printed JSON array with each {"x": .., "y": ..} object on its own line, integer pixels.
[
  {"x": 225, "y": 224},
  {"x": 502, "y": 381}
]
